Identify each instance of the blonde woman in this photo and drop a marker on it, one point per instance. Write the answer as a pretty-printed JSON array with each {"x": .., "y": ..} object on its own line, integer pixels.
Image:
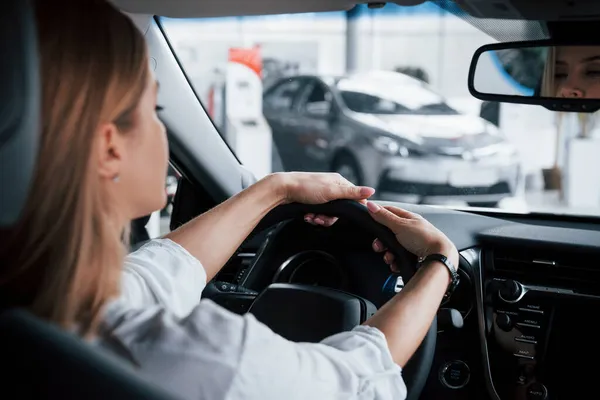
[
  {"x": 102, "y": 162},
  {"x": 572, "y": 71},
  {"x": 548, "y": 88}
]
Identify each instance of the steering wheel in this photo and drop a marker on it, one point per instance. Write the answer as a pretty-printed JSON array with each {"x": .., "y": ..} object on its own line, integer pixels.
[{"x": 309, "y": 313}]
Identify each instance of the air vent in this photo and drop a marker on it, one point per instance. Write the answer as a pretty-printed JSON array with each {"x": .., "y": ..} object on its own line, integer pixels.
[{"x": 569, "y": 270}]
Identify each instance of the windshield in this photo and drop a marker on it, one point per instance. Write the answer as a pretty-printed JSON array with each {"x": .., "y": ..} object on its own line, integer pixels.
[{"x": 381, "y": 97}]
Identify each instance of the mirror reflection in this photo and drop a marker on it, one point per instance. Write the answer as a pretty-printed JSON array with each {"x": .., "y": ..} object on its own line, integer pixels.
[{"x": 543, "y": 71}]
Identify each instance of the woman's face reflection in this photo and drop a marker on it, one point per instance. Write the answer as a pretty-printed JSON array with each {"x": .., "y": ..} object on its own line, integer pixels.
[{"x": 577, "y": 72}]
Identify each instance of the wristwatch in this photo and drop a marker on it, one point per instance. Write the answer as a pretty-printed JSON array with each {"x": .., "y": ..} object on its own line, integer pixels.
[{"x": 455, "y": 279}]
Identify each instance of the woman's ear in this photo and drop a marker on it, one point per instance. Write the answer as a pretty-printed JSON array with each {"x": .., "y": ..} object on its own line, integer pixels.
[{"x": 110, "y": 151}]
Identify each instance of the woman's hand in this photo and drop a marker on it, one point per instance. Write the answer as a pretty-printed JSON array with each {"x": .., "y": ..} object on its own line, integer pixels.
[
  {"x": 216, "y": 234},
  {"x": 318, "y": 188},
  {"x": 413, "y": 232},
  {"x": 406, "y": 317}
]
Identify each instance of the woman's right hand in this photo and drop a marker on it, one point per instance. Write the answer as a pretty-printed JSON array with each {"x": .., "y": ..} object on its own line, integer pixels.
[{"x": 413, "y": 232}]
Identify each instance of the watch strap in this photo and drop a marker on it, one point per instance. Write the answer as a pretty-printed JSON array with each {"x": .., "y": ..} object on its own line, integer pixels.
[{"x": 455, "y": 279}]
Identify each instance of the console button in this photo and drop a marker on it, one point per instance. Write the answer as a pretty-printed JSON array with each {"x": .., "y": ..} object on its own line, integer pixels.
[
  {"x": 537, "y": 391},
  {"x": 504, "y": 322},
  {"x": 526, "y": 339},
  {"x": 531, "y": 319},
  {"x": 528, "y": 336},
  {"x": 528, "y": 325},
  {"x": 526, "y": 357},
  {"x": 532, "y": 308},
  {"x": 525, "y": 353},
  {"x": 455, "y": 374}
]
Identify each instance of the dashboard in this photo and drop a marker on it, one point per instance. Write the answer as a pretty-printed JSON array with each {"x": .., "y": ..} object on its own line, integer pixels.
[{"x": 526, "y": 298}]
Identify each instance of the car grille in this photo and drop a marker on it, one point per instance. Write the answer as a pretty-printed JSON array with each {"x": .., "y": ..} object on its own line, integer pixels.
[
  {"x": 442, "y": 190},
  {"x": 468, "y": 142}
]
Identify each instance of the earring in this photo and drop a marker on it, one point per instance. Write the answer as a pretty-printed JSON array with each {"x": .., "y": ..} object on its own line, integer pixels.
[{"x": 116, "y": 178}]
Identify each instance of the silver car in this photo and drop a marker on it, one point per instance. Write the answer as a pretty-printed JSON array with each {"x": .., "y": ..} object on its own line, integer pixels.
[{"x": 392, "y": 132}]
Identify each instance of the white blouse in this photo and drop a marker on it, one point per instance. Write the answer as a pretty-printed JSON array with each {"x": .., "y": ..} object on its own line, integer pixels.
[{"x": 198, "y": 350}]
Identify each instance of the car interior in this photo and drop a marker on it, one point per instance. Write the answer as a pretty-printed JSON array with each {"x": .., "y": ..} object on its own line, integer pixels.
[{"x": 518, "y": 325}]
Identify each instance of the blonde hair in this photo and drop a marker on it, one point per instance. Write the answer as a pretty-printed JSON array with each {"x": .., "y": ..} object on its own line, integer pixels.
[
  {"x": 548, "y": 88},
  {"x": 63, "y": 261}
]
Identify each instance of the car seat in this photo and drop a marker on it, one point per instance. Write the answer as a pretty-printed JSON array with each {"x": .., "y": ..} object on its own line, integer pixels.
[{"x": 37, "y": 359}]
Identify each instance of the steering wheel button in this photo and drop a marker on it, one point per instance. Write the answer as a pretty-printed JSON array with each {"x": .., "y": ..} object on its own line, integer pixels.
[
  {"x": 392, "y": 285},
  {"x": 399, "y": 284}
]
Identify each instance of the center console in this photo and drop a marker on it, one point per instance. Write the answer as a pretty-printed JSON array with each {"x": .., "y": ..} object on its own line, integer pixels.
[{"x": 539, "y": 312}]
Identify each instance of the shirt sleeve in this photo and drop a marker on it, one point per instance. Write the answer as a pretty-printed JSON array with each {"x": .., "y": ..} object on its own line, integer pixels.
[
  {"x": 162, "y": 273},
  {"x": 213, "y": 353}
]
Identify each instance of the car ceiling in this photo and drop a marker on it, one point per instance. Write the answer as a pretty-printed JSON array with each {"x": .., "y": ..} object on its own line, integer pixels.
[{"x": 552, "y": 10}]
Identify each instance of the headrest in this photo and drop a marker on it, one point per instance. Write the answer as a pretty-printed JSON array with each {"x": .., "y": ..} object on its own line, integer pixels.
[{"x": 19, "y": 106}]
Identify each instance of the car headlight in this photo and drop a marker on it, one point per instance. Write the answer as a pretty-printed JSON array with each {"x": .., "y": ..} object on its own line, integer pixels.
[
  {"x": 493, "y": 130},
  {"x": 388, "y": 145}
]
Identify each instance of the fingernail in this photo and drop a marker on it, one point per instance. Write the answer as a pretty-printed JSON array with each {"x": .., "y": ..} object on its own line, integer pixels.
[
  {"x": 367, "y": 191},
  {"x": 376, "y": 245},
  {"x": 373, "y": 207},
  {"x": 319, "y": 221}
]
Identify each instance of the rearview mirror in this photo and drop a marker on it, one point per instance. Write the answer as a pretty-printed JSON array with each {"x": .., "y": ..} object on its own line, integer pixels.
[{"x": 558, "y": 76}]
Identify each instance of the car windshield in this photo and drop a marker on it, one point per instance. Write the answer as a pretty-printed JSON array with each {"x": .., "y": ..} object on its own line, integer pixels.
[
  {"x": 386, "y": 94},
  {"x": 380, "y": 96}
]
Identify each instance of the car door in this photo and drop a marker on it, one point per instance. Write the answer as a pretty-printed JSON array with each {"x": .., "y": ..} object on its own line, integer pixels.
[
  {"x": 316, "y": 108},
  {"x": 282, "y": 115}
]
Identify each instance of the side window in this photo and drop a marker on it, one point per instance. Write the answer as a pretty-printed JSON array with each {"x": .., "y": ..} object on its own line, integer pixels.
[
  {"x": 282, "y": 96},
  {"x": 317, "y": 94},
  {"x": 317, "y": 100},
  {"x": 366, "y": 103}
]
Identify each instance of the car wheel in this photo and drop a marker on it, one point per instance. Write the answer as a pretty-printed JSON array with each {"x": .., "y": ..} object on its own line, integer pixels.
[{"x": 346, "y": 166}]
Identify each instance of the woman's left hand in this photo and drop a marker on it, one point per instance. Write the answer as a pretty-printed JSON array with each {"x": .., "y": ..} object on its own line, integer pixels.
[{"x": 319, "y": 188}]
